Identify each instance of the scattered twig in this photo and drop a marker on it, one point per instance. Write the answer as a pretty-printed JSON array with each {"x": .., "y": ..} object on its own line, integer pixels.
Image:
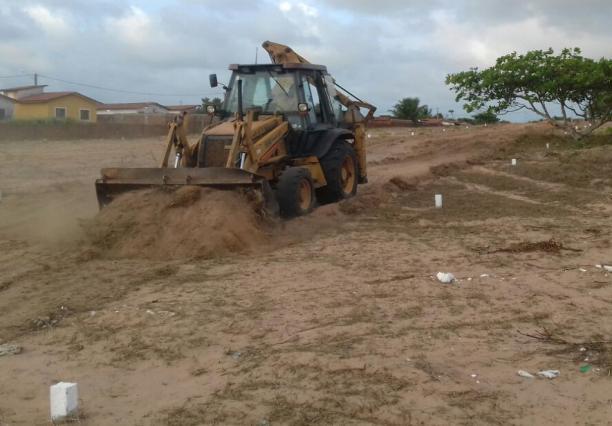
[{"x": 548, "y": 337}]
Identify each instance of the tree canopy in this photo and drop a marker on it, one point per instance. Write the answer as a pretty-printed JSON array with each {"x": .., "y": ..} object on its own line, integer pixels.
[
  {"x": 537, "y": 81},
  {"x": 486, "y": 117},
  {"x": 409, "y": 109},
  {"x": 217, "y": 102}
]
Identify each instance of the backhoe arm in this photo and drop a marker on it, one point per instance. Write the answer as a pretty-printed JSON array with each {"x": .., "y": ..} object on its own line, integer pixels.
[{"x": 282, "y": 54}]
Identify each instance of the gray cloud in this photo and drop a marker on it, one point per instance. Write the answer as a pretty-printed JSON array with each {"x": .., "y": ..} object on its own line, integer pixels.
[{"x": 381, "y": 50}]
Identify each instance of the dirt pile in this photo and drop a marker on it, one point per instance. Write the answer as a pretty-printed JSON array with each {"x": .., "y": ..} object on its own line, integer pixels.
[
  {"x": 190, "y": 222},
  {"x": 548, "y": 246}
]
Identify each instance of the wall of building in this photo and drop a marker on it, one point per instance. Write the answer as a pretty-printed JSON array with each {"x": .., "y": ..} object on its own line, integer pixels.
[
  {"x": 194, "y": 123},
  {"x": 73, "y": 130},
  {"x": 8, "y": 106},
  {"x": 46, "y": 110},
  {"x": 31, "y": 111}
]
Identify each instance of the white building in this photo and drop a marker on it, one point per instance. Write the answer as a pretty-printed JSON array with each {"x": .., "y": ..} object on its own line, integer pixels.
[
  {"x": 7, "y": 107},
  {"x": 23, "y": 91}
]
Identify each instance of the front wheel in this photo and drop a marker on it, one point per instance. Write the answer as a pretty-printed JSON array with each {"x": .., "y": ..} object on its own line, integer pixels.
[
  {"x": 341, "y": 173},
  {"x": 295, "y": 192}
]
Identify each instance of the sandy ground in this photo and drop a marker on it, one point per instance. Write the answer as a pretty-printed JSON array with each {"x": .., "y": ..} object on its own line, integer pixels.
[{"x": 335, "y": 318}]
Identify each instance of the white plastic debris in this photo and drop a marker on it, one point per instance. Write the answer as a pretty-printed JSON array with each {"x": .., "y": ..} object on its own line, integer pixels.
[
  {"x": 438, "y": 201},
  {"x": 514, "y": 161},
  {"x": 484, "y": 275},
  {"x": 411, "y": 133},
  {"x": 445, "y": 277},
  {"x": 64, "y": 398},
  {"x": 549, "y": 374},
  {"x": 608, "y": 268},
  {"x": 583, "y": 349},
  {"x": 547, "y": 146},
  {"x": 525, "y": 374},
  {"x": 8, "y": 349},
  {"x": 582, "y": 270}
]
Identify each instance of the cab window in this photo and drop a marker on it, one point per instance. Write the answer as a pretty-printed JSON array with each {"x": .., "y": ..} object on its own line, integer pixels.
[
  {"x": 338, "y": 110},
  {"x": 311, "y": 94}
]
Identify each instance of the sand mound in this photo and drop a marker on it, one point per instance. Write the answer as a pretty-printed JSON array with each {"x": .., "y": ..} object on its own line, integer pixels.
[{"x": 190, "y": 222}]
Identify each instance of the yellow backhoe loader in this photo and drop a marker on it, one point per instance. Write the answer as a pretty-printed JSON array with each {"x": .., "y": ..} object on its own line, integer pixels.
[{"x": 286, "y": 132}]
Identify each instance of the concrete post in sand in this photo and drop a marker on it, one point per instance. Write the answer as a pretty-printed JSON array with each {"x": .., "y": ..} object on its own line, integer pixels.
[
  {"x": 64, "y": 398},
  {"x": 514, "y": 161},
  {"x": 438, "y": 201}
]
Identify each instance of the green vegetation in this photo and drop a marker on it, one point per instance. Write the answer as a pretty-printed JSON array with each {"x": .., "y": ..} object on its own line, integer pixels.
[
  {"x": 214, "y": 101},
  {"x": 539, "y": 80},
  {"x": 409, "y": 109},
  {"x": 486, "y": 117}
]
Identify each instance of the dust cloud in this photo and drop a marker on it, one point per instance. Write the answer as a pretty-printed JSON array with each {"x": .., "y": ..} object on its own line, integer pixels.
[
  {"x": 187, "y": 223},
  {"x": 49, "y": 216}
]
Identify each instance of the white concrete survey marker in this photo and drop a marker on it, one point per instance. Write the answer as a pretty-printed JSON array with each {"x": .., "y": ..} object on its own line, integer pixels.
[
  {"x": 514, "y": 161},
  {"x": 64, "y": 398},
  {"x": 438, "y": 201}
]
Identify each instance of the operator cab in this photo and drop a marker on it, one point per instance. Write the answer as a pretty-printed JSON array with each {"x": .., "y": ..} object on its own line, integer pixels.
[{"x": 303, "y": 93}]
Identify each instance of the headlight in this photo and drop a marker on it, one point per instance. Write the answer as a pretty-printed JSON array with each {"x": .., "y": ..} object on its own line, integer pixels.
[
  {"x": 303, "y": 107},
  {"x": 210, "y": 109}
]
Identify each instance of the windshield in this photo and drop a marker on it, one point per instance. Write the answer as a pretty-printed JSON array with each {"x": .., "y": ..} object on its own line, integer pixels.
[{"x": 269, "y": 90}]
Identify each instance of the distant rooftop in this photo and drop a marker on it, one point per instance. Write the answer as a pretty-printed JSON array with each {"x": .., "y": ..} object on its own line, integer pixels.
[
  {"x": 44, "y": 97},
  {"x": 129, "y": 105},
  {"x": 7, "y": 98},
  {"x": 12, "y": 89}
]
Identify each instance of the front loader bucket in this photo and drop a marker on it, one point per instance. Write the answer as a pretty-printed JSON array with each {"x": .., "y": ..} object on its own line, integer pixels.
[{"x": 115, "y": 181}]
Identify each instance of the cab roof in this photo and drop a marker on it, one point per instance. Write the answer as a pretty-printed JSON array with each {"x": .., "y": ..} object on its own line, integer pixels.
[{"x": 256, "y": 67}]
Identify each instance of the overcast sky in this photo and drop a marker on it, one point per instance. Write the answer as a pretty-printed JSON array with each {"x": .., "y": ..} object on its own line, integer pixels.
[{"x": 380, "y": 50}]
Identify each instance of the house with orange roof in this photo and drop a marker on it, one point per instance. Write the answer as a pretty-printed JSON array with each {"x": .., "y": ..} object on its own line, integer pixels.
[{"x": 33, "y": 103}]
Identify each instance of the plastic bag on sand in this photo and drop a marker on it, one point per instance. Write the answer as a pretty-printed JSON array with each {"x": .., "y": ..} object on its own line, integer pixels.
[
  {"x": 525, "y": 374},
  {"x": 445, "y": 277},
  {"x": 549, "y": 374}
]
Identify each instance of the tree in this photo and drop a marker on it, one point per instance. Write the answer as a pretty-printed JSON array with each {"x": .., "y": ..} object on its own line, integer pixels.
[
  {"x": 578, "y": 86},
  {"x": 486, "y": 117},
  {"x": 217, "y": 102},
  {"x": 409, "y": 109}
]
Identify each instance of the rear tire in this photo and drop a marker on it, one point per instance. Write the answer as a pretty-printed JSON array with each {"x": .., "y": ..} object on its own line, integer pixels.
[
  {"x": 295, "y": 192},
  {"x": 341, "y": 173}
]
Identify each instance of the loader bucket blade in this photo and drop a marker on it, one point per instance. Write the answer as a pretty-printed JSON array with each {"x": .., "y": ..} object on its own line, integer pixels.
[{"x": 116, "y": 181}]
